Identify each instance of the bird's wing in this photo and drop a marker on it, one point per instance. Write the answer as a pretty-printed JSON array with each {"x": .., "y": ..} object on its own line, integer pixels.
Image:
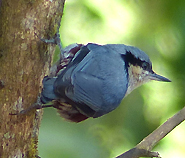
[{"x": 98, "y": 81}]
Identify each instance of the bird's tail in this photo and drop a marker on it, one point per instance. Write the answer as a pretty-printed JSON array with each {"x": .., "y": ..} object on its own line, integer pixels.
[{"x": 47, "y": 94}]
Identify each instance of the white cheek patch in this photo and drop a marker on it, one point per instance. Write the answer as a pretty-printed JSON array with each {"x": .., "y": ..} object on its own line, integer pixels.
[{"x": 137, "y": 77}]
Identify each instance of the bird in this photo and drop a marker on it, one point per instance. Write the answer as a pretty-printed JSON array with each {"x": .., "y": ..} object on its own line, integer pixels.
[{"x": 91, "y": 80}]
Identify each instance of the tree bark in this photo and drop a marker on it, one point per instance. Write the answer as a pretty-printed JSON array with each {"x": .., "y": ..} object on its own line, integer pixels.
[{"x": 24, "y": 61}]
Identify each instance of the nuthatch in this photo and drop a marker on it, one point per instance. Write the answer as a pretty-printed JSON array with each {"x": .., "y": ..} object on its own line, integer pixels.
[{"x": 92, "y": 79}]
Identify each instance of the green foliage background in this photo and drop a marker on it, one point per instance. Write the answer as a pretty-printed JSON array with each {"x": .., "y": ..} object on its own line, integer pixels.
[{"x": 156, "y": 27}]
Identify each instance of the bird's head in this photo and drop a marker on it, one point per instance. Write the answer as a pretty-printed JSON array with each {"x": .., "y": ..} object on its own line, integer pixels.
[{"x": 139, "y": 69}]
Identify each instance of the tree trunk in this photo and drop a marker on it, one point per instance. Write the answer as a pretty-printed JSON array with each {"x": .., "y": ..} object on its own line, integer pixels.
[{"x": 24, "y": 61}]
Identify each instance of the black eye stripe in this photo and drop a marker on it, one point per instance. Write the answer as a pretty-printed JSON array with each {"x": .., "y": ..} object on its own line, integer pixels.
[{"x": 130, "y": 58}]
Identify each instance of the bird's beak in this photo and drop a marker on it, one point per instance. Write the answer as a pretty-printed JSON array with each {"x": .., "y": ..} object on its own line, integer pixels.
[{"x": 154, "y": 76}]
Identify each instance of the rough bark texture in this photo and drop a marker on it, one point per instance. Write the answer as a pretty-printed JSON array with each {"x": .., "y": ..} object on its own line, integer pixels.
[{"x": 24, "y": 61}]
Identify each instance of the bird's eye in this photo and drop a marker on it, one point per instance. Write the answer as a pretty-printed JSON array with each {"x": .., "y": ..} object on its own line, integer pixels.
[{"x": 145, "y": 65}]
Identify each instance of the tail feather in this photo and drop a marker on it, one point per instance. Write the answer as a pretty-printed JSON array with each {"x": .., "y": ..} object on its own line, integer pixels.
[{"x": 47, "y": 94}]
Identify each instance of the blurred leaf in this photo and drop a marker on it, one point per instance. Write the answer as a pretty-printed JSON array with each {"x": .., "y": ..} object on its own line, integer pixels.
[{"x": 156, "y": 27}]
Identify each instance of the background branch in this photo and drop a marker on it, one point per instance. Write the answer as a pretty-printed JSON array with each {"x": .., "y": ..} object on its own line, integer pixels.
[{"x": 146, "y": 145}]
